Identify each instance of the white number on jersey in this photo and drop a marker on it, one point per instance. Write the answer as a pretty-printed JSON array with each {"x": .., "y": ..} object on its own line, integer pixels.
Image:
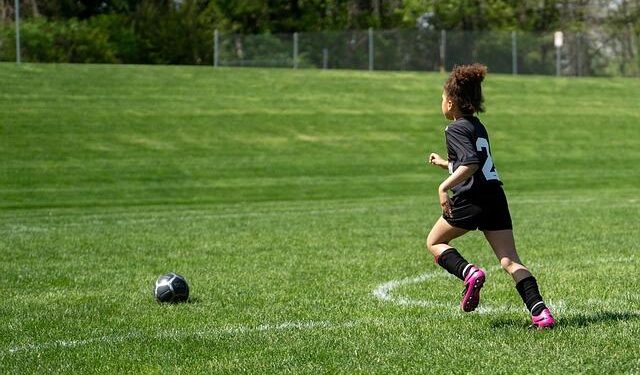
[{"x": 488, "y": 169}]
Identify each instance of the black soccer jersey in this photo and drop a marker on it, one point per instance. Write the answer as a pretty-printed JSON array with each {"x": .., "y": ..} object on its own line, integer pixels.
[{"x": 468, "y": 143}]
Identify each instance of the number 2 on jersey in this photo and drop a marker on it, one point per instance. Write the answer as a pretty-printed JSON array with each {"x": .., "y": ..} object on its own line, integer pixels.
[{"x": 488, "y": 169}]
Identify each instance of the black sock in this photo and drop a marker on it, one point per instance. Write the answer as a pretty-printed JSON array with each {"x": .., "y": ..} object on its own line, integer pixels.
[
  {"x": 528, "y": 289},
  {"x": 453, "y": 262}
]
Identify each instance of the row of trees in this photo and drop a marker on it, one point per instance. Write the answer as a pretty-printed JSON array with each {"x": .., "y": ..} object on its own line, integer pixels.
[
  {"x": 276, "y": 16},
  {"x": 180, "y": 31}
]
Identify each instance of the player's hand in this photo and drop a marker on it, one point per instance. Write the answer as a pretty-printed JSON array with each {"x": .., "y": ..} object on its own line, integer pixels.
[
  {"x": 436, "y": 159},
  {"x": 445, "y": 202}
]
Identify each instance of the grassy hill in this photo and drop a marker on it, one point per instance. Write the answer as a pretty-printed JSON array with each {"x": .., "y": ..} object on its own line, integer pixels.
[{"x": 296, "y": 204}]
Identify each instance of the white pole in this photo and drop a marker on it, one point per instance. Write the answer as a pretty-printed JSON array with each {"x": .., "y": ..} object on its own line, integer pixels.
[
  {"x": 216, "y": 48},
  {"x": 295, "y": 50},
  {"x": 17, "y": 10},
  {"x": 558, "y": 41}
]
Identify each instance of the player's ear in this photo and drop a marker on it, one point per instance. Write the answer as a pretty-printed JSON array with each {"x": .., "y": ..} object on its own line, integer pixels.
[{"x": 449, "y": 105}]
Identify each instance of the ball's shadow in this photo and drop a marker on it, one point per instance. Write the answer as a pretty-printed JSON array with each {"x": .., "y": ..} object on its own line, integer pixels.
[
  {"x": 579, "y": 320},
  {"x": 189, "y": 301}
]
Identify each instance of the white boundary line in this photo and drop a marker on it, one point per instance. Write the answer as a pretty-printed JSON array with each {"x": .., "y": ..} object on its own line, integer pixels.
[
  {"x": 384, "y": 293},
  {"x": 175, "y": 334}
]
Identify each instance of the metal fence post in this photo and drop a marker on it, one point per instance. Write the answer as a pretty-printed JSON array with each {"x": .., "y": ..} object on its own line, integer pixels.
[
  {"x": 325, "y": 58},
  {"x": 17, "y": 9},
  {"x": 558, "y": 61},
  {"x": 579, "y": 52},
  {"x": 370, "y": 49},
  {"x": 443, "y": 50},
  {"x": 634, "y": 50},
  {"x": 514, "y": 53},
  {"x": 216, "y": 48},
  {"x": 295, "y": 50}
]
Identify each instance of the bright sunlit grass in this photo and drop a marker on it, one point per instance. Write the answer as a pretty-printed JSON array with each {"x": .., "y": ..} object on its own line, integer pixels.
[{"x": 288, "y": 198}]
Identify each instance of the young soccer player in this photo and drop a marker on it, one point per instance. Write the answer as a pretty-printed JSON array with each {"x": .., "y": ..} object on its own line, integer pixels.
[{"x": 477, "y": 201}]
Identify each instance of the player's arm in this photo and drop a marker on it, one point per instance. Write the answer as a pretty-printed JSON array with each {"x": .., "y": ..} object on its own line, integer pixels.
[
  {"x": 437, "y": 160},
  {"x": 461, "y": 174}
]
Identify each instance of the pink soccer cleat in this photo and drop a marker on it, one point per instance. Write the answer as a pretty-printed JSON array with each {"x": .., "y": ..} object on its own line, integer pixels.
[
  {"x": 543, "y": 320},
  {"x": 472, "y": 284}
]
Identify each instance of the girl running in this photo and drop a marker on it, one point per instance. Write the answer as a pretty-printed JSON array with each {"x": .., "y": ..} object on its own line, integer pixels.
[{"x": 477, "y": 201}]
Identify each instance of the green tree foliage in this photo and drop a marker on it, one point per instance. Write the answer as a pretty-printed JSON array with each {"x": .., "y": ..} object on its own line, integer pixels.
[
  {"x": 170, "y": 32},
  {"x": 83, "y": 9},
  {"x": 61, "y": 41},
  {"x": 181, "y": 31},
  {"x": 523, "y": 15}
]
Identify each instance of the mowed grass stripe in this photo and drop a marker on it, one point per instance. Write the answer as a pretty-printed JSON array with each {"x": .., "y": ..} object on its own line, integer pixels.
[
  {"x": 286, "y": 198},
  {"x": 157, "y": 214}
]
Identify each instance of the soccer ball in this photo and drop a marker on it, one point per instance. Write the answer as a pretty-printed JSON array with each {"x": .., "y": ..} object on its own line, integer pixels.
[{"x": 171, "y": 288}]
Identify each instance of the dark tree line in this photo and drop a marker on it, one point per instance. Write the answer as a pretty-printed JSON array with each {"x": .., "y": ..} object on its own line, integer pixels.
[
  {"x": 275, "y": 16},
  {"x": 180, "y": 31}
]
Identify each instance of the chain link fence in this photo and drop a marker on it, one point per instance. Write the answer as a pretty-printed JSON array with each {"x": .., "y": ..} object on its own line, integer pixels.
[
  {"x": 580, "y": 54},
  {"x": 591, "y": 53}
]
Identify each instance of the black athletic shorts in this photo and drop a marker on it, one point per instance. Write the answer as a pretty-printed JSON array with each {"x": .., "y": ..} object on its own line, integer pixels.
[{"x": 484, "y": 209}]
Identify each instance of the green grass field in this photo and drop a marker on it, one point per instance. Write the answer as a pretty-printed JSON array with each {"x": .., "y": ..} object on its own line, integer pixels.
[{"x": 296, "y": 204}]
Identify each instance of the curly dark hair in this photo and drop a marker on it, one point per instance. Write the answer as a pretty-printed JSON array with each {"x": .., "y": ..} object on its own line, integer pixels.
[{"x": 464, "y": 87}]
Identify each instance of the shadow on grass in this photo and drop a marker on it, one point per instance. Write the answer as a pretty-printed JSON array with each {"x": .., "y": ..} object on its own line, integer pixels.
[
  {"x": 596, "y": 317},
  {"x": 573, "y": 320},
  {"x": 189, "y": 301}
]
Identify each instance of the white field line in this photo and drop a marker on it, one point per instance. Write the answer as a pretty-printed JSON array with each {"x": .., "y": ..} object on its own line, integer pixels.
[
  {"x": 71, "y": 343},
  {"x": 384, "y": 293},
  {"x": 177, "y": 334}
]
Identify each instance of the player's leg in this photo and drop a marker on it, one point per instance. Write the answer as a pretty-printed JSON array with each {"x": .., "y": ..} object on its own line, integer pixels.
[
  {"x": 450, "y": 259},
  {"x": 440, "y": 235},
  {"x": 503, "y": 245}
]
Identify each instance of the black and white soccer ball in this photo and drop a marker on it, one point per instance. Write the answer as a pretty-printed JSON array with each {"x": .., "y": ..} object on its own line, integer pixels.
[{"x": 171, "y": 288}]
